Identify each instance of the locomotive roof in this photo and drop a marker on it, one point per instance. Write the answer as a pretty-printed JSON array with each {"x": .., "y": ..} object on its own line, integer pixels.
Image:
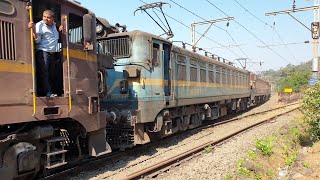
[
  {"x": 137, "y": 33},
  {"x": 75, "y": 3},
  {"x": 205, "y": 58},
  {"x": 175, "y": 48}
]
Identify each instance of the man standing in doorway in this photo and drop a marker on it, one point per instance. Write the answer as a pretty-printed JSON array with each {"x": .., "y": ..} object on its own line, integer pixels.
[{"x": 46, "y": 37}]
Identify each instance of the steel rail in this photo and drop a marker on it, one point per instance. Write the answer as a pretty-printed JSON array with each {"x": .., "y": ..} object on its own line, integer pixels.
[
  {"x": 248, "y": 115},
  {"x": 88, "y": 163},
  {"x": 153, "y": 169}
]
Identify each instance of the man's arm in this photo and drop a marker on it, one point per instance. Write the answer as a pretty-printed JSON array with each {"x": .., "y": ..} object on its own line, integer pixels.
[{"x": 35, "y": 32}]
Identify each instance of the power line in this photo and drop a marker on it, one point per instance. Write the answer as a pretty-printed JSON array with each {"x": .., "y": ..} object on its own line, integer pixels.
[
  {"x": 252, "y": 14},
  {"x": 211, "y": 25},
  {"x": 197, "y": 32},
  {"x": 293, "y": 43},
  {"x": 272, "y": 27},
  {"x": 196, "y": 15},
  {"x": 250, "y": 33}
]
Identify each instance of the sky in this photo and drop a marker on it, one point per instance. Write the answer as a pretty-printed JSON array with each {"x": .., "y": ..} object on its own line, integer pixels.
[{"x": 248, "y": 31}]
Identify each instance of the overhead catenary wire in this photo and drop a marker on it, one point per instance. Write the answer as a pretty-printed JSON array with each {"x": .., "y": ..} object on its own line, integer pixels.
[
  {"x": 226, "y": 31},
  {"x": 250, "y": 33},
  {"x": 272, "y": 27},
  {"x": 293, "y": 43},
  {"x": 198, "y": 32}
]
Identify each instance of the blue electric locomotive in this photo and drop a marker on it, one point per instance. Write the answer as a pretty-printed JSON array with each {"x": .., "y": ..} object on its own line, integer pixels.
[{"x": 157, "y": 89}]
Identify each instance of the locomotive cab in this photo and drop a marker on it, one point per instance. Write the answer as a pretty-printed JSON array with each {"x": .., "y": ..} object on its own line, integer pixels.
[
  {"x": 44, "y": 133},
  {"x": 140, "y": 79}
]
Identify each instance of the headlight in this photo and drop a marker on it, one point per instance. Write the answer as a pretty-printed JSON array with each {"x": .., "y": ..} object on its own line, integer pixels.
[{"x": 99, "y": 28}]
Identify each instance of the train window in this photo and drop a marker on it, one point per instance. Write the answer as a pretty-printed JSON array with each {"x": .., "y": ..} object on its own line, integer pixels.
[
  {"x": 193, "y": 62},
  {"x": 211, "y": 76},
  {"x": 156, "y": 54},
  {"x": 75, "y": 29},
  {"x": 203, "y": 64},
  {"x": 241, "y": 79},
  {"x": 246, "y": 81},
  {"x": 230, "y": 77},
  {"x": 181, "y": 59},
  {"x": 182, "y": 72},
  {"x": 224, "y": 76},
  {"x": 218, "y": 74},
  {"x": 193, "y": 74},
  {"x": 235, "y": 80},
  {"x": 210, "y": 67},
  {"x": 211, "y": 73},
  {"x": 203, "y": 75},
  {"x": 7, "y": 41}
]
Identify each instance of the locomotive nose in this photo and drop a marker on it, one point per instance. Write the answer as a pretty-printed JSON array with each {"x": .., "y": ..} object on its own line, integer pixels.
[{"x": 116, "y": 117}]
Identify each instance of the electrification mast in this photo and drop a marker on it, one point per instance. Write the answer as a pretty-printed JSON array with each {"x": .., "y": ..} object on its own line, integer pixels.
[{"x": 315, "y": 34}]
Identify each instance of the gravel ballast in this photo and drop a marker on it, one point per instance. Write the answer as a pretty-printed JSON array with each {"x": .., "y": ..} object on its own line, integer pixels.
[{"x": 213, "y": 165}]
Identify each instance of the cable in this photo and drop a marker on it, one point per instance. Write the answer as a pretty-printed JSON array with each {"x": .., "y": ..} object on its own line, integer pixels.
[
  {"x": 293, "y": 43},
  {"x": 272, "y": 27},
  {"x": 198, "y": 32},
  {"x": 211, "y": 25},
  {"x": 251, "y": 33}
]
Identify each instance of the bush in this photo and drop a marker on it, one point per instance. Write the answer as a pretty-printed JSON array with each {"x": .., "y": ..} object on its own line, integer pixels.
[
  {"x": 265, "y": 146},
  {"x": 252, "y": 155},
  {"x": 243, "y": 171},
  {"x": 311, "y": 109},
  {"x": 290, "y": 160}
]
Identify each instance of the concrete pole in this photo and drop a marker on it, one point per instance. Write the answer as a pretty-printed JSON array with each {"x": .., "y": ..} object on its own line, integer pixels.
[{"x": 315, "y": 63}]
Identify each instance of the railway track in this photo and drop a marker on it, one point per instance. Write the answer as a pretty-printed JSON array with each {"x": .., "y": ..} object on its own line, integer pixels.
[
  {"x": 155, "y": 169},
  {"x": 88, "y": 163}
]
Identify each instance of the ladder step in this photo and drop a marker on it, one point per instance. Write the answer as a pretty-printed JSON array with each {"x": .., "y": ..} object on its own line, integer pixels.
[
  {"x": 56, "y": 152},
  {"x": 57, "y": 164},
  {"x": 56, "y": 139}
]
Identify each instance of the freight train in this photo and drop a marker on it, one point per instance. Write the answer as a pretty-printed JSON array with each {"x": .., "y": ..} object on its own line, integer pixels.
[{"x": 115, "y": 89}]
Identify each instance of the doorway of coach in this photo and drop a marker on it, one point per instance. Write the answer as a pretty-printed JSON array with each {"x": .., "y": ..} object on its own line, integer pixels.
[{"x": 48, "y": 48}]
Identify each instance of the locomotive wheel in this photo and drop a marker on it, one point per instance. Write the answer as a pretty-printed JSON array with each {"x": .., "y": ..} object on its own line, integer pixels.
[
  {"x": 20, "y": 161},
  {"x": 194, "y": 121},
  {"x": 185, "y": 123}
]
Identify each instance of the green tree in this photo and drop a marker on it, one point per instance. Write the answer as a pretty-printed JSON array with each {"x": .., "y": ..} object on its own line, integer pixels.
[
  {"x": 295, "y": 77},
  {"x": 295, "y": 80}
]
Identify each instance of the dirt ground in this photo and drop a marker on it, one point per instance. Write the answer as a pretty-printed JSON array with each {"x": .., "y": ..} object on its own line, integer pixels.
[
  {"x": 307, "y": 165},
  {"x": 293, "y": 156}
]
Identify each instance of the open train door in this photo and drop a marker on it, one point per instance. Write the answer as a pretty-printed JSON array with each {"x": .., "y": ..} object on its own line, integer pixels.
[{"x": 167, "y": 72}]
